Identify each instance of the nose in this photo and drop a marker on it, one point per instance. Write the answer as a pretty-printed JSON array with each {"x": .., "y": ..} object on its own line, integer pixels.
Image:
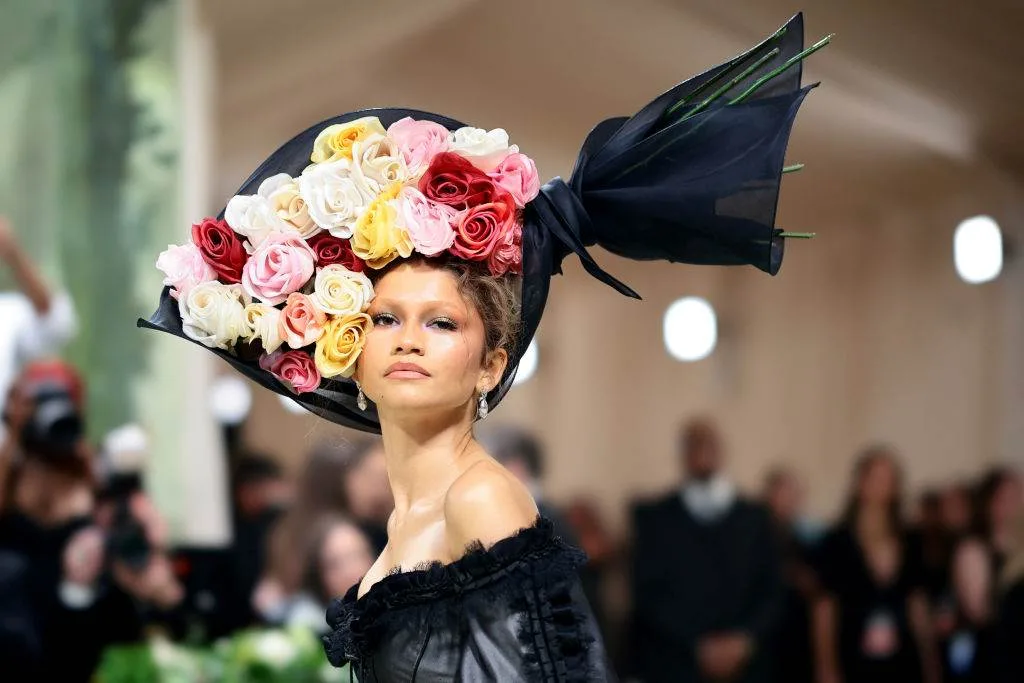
[{"x": 409, "y": 341}]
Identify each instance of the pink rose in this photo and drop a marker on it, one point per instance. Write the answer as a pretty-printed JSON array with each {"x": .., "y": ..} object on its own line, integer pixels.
[
  {"x": 518, "y": 175},
  {"x": 302, "y": 322},
  {"x": 295, "y": 368},
  {"x": 507, "y": 253},
  {"x": 428, "y": 223},
  {"x": 418, "y": 141},
  {"x": 283, "y": 263},
  {"x": 184, "y": 268}
]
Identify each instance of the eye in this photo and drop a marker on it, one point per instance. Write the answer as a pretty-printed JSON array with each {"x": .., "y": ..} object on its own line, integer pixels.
[
  {"x": 384, "y": 319},
  {"x": 446, "y": 324}
]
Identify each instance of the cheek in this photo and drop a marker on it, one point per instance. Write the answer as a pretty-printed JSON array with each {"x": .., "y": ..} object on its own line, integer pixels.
[{"x": 456, "y": 353}]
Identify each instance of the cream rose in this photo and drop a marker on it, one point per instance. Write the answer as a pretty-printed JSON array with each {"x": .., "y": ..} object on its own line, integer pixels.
[
  {"x": 334, "y": 198},
  {"x": 377, "y": 162},
  {"x": 339, "y": 291},
  {"x": 340, "y": 345},
  {"x": 287, "y": 204},
  {"x": 213, "y": 314},
  {"x": 485, "y": 149},
  {"x": 252, "y": 217},
  {"x": 263, "y": 323}
]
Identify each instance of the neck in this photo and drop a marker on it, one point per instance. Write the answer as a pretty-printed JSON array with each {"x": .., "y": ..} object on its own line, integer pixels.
[{"x": 425, "y": 456}]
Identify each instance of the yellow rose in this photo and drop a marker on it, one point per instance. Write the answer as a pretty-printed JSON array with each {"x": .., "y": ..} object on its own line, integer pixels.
[
  {"x": 335, "y": 142},
  {"x": 340, "y": 345},
  {"x": 378, "y": 236}
]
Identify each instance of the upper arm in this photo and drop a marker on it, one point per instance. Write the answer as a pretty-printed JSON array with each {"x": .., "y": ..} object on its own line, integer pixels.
[
  {"x": 46, "y": 333},
  {"x": 485, "y": 505}
]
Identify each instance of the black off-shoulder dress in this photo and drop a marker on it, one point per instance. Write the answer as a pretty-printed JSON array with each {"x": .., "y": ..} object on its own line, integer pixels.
[{"x": 513, "y": 612}]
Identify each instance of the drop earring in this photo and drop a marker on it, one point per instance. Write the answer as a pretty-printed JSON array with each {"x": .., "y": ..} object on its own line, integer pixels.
[
  {"x": 481, "y": 406},
  {"x": 360, "y": 397}
]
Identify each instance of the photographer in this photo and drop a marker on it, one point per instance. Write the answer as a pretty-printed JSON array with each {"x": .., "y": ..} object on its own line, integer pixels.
[
  {"x": 34, "y": 322},
  {"x": 47, "y": 497},
  {"x": 117, "y": 578}
]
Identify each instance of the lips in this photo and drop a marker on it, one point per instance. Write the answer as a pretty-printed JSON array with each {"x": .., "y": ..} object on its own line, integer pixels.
[{"x": 406, "y": 370}]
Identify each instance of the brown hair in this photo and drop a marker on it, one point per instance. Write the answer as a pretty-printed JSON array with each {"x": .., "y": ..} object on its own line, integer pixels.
[{"x": 496, "y": 299}]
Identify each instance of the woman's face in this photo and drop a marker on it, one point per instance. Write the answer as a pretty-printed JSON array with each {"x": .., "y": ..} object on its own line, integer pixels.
[
  {"x": 878, "y": 483},
  {"x": 345, "y": 557},
  {"x": 426, "y": 349}
]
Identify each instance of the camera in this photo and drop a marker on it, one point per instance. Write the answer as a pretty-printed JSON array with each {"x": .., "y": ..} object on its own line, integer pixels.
[
  {"x": 123, "y": 462},
  {"x": 54, "y": 425},
  {"x": 127, "y": 541}
]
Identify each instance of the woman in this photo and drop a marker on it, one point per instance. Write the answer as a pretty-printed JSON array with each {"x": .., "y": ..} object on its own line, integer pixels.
[
  {"x": 387, "y": 269},
  {"x": 321, "y": 492},
  {"x": 340, "y": 556},
  {"x": 977, "y": 564},
  {"x": 872, "y": 623}
]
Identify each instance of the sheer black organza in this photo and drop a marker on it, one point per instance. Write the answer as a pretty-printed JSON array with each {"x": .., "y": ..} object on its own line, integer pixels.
[{"x": 701, "y": 191}]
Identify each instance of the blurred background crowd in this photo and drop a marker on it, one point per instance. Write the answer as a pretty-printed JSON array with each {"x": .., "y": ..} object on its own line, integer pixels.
[{"x": 809, "y": 478}]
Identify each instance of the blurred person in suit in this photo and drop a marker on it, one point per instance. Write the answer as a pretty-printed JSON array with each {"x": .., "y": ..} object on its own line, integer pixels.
[{"x": 706, "y": 576}]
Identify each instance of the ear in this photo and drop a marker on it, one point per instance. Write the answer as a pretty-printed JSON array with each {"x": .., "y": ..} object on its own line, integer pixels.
[{"x": 492, "y": 370}]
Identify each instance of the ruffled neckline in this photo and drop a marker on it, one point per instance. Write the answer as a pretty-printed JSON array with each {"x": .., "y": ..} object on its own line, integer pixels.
[{"x": 354, "y": 619}]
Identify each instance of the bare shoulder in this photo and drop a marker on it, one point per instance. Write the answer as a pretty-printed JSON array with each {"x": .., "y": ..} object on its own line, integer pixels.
[{"x": 486, "y": 504}]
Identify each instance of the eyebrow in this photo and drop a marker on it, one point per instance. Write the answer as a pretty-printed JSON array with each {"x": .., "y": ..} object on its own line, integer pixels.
[{"x": 392, "y": 303}]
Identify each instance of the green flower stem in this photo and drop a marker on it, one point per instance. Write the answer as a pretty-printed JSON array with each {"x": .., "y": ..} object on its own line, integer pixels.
[
  {"x": 722, "y": 74},
  {"x": 728, "y": 86},
  {"x": 793, "y": 169},
  {"x": 788, "y": 64},
  {"x": 798, "y": 235}
]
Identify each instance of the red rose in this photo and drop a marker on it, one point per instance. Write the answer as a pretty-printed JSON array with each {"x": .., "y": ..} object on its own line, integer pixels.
[
  {"x": 221, "y": 247},
  {"x": 480, "y": 228},
  {"x": 453, "y": 180},
  {"x": 330, "y": 249}
]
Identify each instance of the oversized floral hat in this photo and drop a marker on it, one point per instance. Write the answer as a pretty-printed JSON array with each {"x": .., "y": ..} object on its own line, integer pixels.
[{"x": 277, "y": 284}]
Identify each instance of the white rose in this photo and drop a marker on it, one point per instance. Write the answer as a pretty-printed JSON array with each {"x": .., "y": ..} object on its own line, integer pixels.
[
  {"x": 334, "y": 198},
  {"x": 287, "y": 204},
  {"x": 252, "y": 217},
  {"x": 339, "y": 291},
  {"x": 378, "y": 162},
  {"x": 262, "y": 322},
  {"x": 213, "y": 314},
  {"x": 485, "y": 149}
]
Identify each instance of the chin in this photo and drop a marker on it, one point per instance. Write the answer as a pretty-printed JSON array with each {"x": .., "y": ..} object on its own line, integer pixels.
[{"x": 417, "y": 398}]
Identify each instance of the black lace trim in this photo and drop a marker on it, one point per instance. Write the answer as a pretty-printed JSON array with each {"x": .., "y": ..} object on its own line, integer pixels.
[{"x": 533, "y": 567}]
